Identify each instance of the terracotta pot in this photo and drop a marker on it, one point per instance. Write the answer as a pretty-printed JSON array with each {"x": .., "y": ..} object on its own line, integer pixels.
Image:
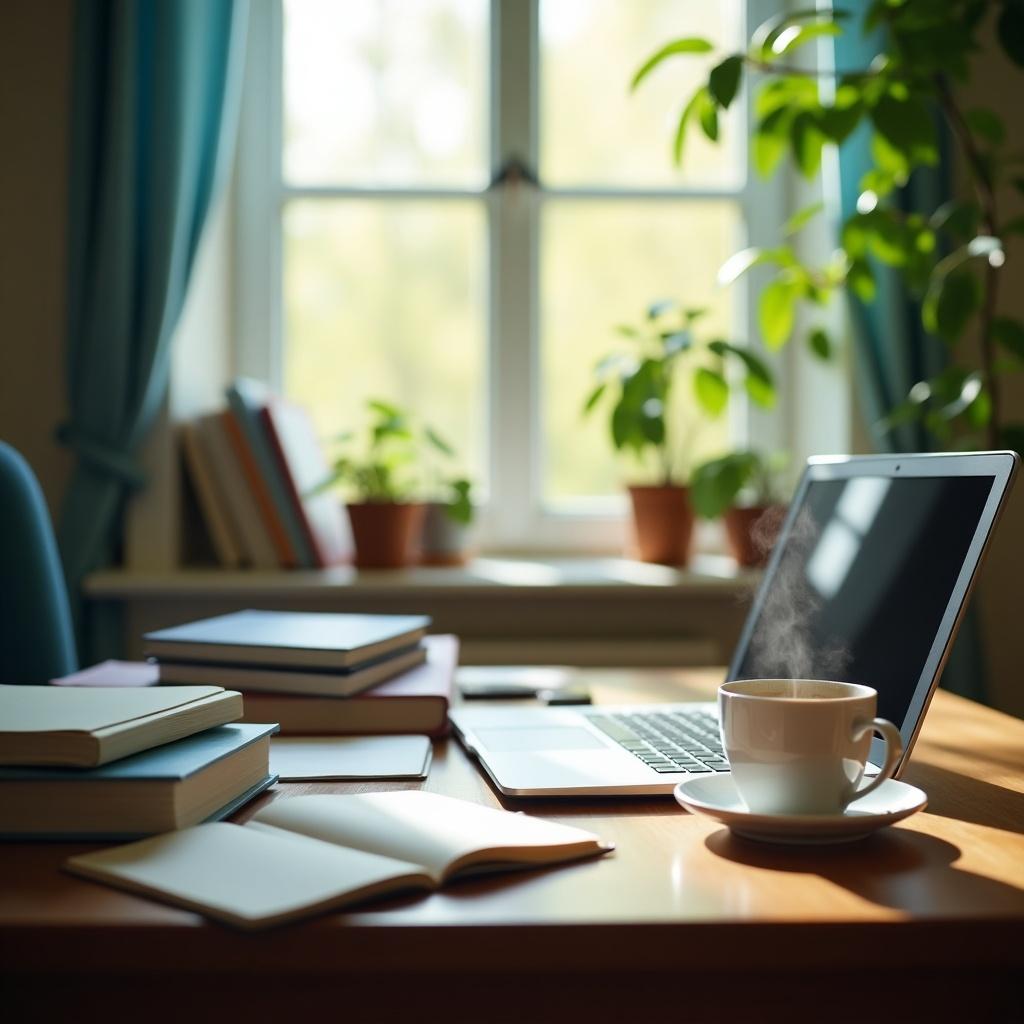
[
  {"x": 663, "y": 523},
  {"x": 386, "y": 534},
  {"x": 751, "y": 532},
  {"x": 445, "y": 541}
]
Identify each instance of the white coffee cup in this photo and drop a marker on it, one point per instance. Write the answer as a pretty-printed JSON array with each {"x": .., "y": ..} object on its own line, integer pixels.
[{"x": 798, "y": 746}]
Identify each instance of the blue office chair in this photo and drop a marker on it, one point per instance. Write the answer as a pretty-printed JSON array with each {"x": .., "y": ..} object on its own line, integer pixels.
[{"x": 37, "y": 641}]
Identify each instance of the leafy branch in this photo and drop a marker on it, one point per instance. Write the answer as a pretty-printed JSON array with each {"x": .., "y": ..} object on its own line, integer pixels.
[{"x": 950, "y": 258}]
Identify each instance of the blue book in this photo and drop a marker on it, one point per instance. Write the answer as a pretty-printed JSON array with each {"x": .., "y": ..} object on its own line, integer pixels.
[
  {"x": 204, "y": 777},
  {"x": 246, "y": 398},
  {"x": 293, "y": 640}
]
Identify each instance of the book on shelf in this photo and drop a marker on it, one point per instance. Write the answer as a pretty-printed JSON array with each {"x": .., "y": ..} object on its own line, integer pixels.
[
  {"x": 301, "y": 466},
  {"x": 233, "y": 489},
  {"x": 85, "y": 727},
  {"x": 309, "y": 854},
  {"x": 246, "y": 401},
  {"x": 309, "y": 682},
  {"x": 203, "y": 777},
  {"x": 269, "y": 517},
  {"x": 416, "y": 701},
  {"x": 223, "y": 532},
  {"x": 313, "y": 640}
]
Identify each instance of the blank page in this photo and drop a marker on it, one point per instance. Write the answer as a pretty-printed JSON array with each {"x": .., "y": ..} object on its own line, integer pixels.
[
  {"x": 245, "y": 876},
  {"x": 425, "y": 828}
]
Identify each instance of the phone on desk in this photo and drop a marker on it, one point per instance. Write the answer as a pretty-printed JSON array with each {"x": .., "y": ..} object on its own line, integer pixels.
[{"x": 493, "y": 682}]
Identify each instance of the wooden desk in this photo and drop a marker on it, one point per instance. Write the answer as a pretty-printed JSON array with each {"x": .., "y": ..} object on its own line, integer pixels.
[{"x": 925, "y": 920}]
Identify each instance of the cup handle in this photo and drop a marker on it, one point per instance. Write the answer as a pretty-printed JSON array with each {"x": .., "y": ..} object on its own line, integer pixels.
[{"x": 893, "y": 750}]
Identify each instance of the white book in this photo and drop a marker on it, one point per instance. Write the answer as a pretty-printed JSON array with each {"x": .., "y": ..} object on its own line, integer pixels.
[
  {"x": 308, "y": 854},
  {"x": 236, "y": 495}
]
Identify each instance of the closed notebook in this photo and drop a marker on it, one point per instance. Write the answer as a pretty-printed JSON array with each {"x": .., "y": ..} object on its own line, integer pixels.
[
  {"x": 85, "y": 726},
  {"x": 172, "y": 786},
  {"x": 308, "y": 854},
  {"x": 415, "y": 701},
  {"x": 248, "y": 678},
  {"x": 291, "y": 639}
]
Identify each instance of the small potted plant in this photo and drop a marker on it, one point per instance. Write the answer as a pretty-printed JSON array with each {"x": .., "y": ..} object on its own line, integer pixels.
[
  {"x": 640, "y": 384},
  {"x": 743, "y": 488},
  {"x": 386, "y": 519},
  {"x": 449, "y": 515}
]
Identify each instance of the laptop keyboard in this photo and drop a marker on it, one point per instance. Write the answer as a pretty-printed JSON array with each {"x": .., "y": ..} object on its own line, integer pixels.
[{"x": 667, "y": 741}]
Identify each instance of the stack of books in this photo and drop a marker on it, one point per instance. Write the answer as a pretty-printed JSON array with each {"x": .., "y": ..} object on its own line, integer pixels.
[
  {"x": 114, "y": 763},
  {"x": 253, "y": 467},
  {"x": 318, "y": 673}
]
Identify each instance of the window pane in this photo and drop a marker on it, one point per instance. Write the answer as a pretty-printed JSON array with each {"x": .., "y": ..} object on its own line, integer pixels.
[
  {"x": 602, "y": 264},
  {"x": 385, "y": 92},
  {"x": 386, "y": 299},
  {"x": 593, "y": 131}
]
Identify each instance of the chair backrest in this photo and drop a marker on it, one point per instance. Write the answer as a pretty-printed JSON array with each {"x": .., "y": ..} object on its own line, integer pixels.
[{"x": 37, "y": 640}]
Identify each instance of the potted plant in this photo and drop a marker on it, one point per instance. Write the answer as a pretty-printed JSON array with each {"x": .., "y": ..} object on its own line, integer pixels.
[
  {"x": 449, "y": 515},
  {"x": 386, "y": 519},
  {"x": 639, "y": 384},
  {"x": 741, "y": 488}
]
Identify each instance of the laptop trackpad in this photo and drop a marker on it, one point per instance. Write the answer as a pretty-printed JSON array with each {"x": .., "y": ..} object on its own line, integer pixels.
[{"x": 558, "y": 737}]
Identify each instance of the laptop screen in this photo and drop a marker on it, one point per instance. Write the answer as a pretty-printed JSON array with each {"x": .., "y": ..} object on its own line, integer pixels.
[{"x": 866, "y": 575}]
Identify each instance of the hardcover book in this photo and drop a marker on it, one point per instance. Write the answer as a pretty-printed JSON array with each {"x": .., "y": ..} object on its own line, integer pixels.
[
  {"x": 416, "y": 701},
  {"x": 309, "y": 854},
  {"x": 249, "y": 679},
  {"x": 199, "y": 778},
  {"x": 83, "y": 726},
  {"x": 312, "y": 640}
]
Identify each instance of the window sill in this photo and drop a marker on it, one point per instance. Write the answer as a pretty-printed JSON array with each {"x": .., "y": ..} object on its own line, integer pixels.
[{"x": 579, "y": 611}]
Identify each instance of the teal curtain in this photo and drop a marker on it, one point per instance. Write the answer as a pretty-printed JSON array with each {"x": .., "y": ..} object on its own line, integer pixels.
[
  {"x": 156, "y": 86},
  {"x": 891, "y": 349}
]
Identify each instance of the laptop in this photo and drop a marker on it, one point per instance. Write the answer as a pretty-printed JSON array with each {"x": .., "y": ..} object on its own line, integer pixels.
[{"x": 867, "y": 582}]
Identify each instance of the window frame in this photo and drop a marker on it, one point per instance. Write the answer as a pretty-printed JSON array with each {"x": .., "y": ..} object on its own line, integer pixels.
[{"x": 514, "y": 518}]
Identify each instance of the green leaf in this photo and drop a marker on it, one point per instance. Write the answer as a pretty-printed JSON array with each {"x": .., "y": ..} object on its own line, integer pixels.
[
  {"x": 438, "y": 441},
  {"x": 716, "y": 484},
  {"x": 760, "y": 392},
  {"x": 768, "y": 151},
  {"x": 594, "y": 397},
  {"x": 768, "y": 32},
  {"x": 675, "y": 342},
  {"x": 795, "y": 36},
  {"x": 708, "y": 114},
  {"x": 712, "y": 391},
  {"x": 906, "y": 124},
  {"x": 820, "y": 344},
  {"x": 775, "y": 312},
  {"x": 838, "y": 122},
  {"x": 724, "y": 80},
  {"x": 684, "y": 120},
  {"x": 1010, "y": 334},
  {"x": 802, "y": 217},
  {"x": 691, "y": 44},
  {"x": 861, "y": 280},
  {"x": 806, "y": 139},
  {"x": 987, "y": 124},
  {"x": 1010, "y": 29},
  {"x": 754, "y": 368},
  {"x": 951, "y": 301}
]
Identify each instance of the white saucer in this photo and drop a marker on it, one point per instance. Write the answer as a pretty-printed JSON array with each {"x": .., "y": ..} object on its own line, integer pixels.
[{"x": 716, "y": 796}]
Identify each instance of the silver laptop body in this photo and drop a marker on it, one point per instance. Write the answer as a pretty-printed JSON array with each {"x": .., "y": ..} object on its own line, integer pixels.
[{"x": 874, "y": 563}]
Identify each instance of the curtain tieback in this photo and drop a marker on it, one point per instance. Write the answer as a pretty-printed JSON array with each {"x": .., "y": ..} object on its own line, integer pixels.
[{"x": 102, "y": 457}]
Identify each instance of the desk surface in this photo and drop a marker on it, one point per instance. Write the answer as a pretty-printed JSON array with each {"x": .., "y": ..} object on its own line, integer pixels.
[{"x": 920, "y": 907}]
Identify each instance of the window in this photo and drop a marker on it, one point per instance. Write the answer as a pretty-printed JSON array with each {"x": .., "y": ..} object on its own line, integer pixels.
[{"x": 451, "y": 204}]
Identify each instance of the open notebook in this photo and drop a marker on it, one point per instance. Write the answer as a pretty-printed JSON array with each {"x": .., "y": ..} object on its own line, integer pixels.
[{"x": 308, "y": 854}]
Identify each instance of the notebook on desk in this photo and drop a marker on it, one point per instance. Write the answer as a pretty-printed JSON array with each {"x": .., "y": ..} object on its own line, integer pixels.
[{"x": 867, "y": 582}]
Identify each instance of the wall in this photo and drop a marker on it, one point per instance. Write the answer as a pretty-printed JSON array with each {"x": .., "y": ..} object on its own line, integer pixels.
[{"x": 35, "y": 48}]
